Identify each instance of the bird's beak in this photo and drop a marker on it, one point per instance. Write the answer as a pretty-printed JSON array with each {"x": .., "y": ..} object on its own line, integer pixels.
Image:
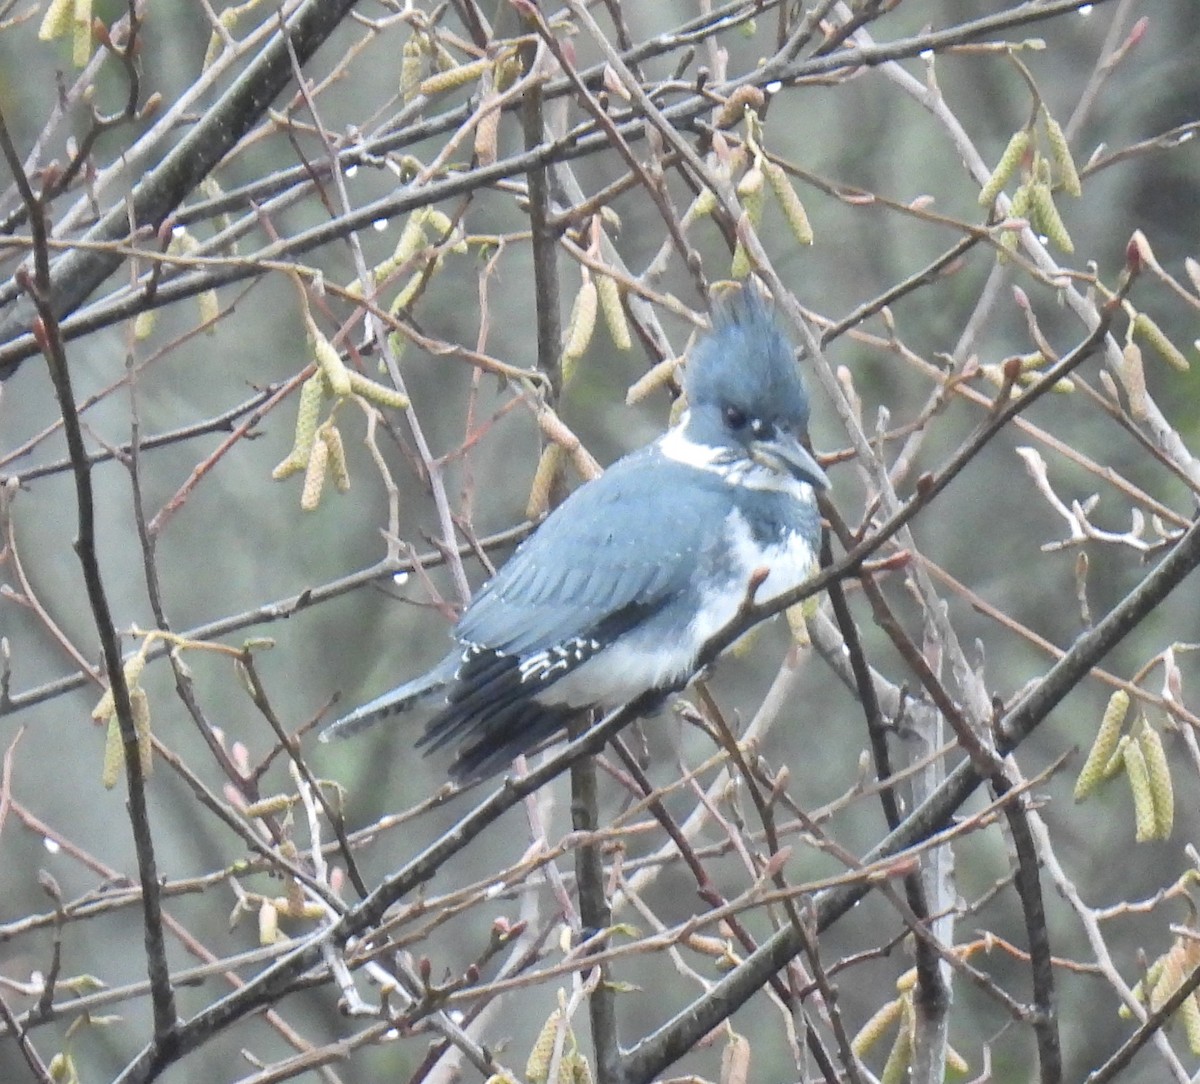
[{"x": 785, "y": 454}]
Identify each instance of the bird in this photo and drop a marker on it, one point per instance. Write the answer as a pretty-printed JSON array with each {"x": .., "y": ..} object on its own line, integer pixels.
[{"x": 618, "y": 590}]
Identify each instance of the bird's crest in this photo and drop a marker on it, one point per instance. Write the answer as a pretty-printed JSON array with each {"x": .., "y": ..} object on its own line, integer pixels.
[{"x": 746, "y": 356}]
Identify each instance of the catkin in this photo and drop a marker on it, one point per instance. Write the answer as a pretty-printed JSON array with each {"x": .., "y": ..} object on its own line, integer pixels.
[
  {"x": 328, "y": 360},
  {"x": 411, "y": 63},
  {"x": 1018, "y": 144},
  {"x": 735, "y": 106},
  {"x": 377, "y": 393},
  {"x": 548, "y": 468},
  {"x": 114, "y": 754},
  {"x": 452, "y": 78},
  {"x": 789, "y": 202},
  {"x": 1047, "y": 218},
  {"x": 308, "y": 413},
  {"x": 1155, "y": 336},
  {"x": 487, "y": 137},
  {"x": 140, "y": 705},
  {"x": 537, "y": 1069},
  {"x": 876, "y": 1027},
  {"x": 614, "y": 312},
  {"x": 337, "y": 457},
  {"x": 1133, "y": 377},
  {"x": 1189, "y": 1013},
  {"x": 1158, "y": 771},
  {"x": 895, "y": 1069},
  {"x": 81, "y": 41},
  {"x": 1104, "y": 746},
  {"x": 56, "y": 23},
  {"x": 1145, "y": 820},
  {"x": 268, "y": 923},
  {"x": 314, "y": 476},
  {"x": 656, "y": 377},
  {"x": 581, "y": 1071},
  {"x": 580, "y": 327},
  {"x": 750, "y": 190},
  {"x": 1060, "y": 152}
]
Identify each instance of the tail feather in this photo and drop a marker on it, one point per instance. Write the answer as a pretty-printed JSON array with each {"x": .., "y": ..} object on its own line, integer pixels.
[{"x": 395, "y": 701}]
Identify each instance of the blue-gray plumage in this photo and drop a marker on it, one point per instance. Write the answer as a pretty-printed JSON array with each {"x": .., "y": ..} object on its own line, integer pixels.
[{"x": 617, "y": 592}]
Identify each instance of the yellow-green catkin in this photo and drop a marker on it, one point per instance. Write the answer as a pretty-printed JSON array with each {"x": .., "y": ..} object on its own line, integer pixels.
[
  {"x": 507, "y": 70},
  {"x": 143, "y": 324},
  {"x": 1145, "y": 819},
  {"x": 56, "y": 23},
  {"x": 308, "y": 413},
  {"x": 1158, "y": 771},
  {"x": 411, "y": 65},
  {"x": 1189, "y": 1013},
  {"x": 789, "y": 202},
  {"x": 132, "y": 669},
  {"x": 486, "y": 142},
  {"x": 379, "y": 394},
  {"x": 114, "y": 754},
  {"x": 548, "y": 469},
  {"x": 62, "y": 1069},
  {"x": 581, "y": 325},
  {"x": 1116, "y": 763},
  {"x": 314, "y": 476},
  {"x": 876, "y": 1027},
  {"x": 581, "y": 1071},
  {"x": 1142, "y": 987},
  {"x": 328, "y": 360},
  {"x": 1133, "y": 377},
  {"x": 216, "y": 42},
  {"x": 537, "y": 1069},
  {"x": 735, "y": 106},
  {"x": 1013, "y": 154},
  {"x": 81, "y": 33},
  {"x": 1060, "y": 153},
  {"x": 455, "y": 77},
  {"x": 267, "y": 807},
  {"x": 956, "y": 1063},
  {"x": 139, "y": 703},
  {"x": 614, "y": 312},
  {"x": 412, "y": 238},
  {"x": 210, "y": 309},
  {"x": 704, "y": 204},
  {"x": 338, "y": 467},
  {"x": 895, "y": 1069},
  {"x": 750, "y": 190},
  {"x": 268, "y": 923},
  {"x": 1046, "y": 217},
  {"x": 1151, "y": 333},
  {"x": 658, "y": 376},
  {"x": 1018, "y": 208},
  {"x": 1104, "y": 746}
]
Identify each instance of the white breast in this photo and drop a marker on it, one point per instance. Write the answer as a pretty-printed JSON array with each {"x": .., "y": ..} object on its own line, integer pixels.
[{"x": 636, "y": 662}]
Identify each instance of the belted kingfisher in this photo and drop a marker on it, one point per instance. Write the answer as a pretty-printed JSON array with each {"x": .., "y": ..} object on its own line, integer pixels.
[{"x": 619, "y": 589}]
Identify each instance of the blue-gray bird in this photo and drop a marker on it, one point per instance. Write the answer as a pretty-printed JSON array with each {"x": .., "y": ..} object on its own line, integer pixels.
[{"x": 619, "y": 589}]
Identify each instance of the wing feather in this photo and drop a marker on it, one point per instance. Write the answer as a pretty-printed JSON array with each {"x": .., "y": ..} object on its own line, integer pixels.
[{"x": 585, "y": 566}]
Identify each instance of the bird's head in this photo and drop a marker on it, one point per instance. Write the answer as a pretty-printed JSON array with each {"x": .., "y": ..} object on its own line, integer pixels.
[{"x": 747, "y": 406}]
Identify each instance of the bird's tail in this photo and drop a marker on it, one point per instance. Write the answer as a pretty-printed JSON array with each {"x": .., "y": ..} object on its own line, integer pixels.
[{"x": 395, "y": 701}]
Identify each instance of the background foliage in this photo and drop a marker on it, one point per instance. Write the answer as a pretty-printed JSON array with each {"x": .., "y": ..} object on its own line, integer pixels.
[{"x": 553, "y": 146}]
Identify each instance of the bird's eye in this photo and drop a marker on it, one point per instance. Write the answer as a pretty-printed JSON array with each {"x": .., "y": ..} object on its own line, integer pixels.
[
  {"x": 735, "y": 418},
  {"x": 758, "y": 427}
]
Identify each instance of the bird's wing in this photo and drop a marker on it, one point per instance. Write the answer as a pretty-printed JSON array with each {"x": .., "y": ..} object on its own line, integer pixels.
[{"x": 609, "y": 557}]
